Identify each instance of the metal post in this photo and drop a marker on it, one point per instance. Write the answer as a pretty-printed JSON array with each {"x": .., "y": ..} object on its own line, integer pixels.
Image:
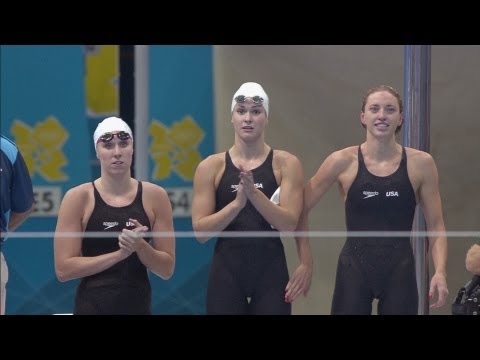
[{"x": 417, "y": 135}]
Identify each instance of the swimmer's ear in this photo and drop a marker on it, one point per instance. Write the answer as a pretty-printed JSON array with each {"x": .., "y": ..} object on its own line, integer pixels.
[{"x": 362, "y": 119}]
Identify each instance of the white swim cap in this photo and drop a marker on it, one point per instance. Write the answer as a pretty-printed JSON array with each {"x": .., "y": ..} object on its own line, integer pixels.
[
  {"x": 110, "y": 124},
  {"x": 250, "y": 90}
]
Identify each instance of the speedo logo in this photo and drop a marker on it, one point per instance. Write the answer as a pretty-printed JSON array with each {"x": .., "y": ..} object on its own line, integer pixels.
[
  {"x": 109, "y": 224},
  {"x": 369, "y": 194},
  {"x": 257, "y": 186}
]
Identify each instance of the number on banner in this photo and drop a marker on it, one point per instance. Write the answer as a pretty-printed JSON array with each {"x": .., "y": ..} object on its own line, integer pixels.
[
  {"x": 181, "y": 200},
  {"x": 46, "y": 200}
]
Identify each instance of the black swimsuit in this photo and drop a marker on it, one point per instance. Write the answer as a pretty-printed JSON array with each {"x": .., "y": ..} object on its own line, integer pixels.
[
  {"x": 382, "y": 268},
  {"x": 123, "y": 288},
  {"x": 247, "y": 268}
]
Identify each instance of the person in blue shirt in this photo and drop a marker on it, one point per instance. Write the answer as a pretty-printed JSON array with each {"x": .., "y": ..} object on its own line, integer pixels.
[{"x": 16, "y": 199}]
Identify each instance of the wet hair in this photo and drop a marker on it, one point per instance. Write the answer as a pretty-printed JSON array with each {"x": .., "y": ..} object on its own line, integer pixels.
[{"x": 390, "y": 90}]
